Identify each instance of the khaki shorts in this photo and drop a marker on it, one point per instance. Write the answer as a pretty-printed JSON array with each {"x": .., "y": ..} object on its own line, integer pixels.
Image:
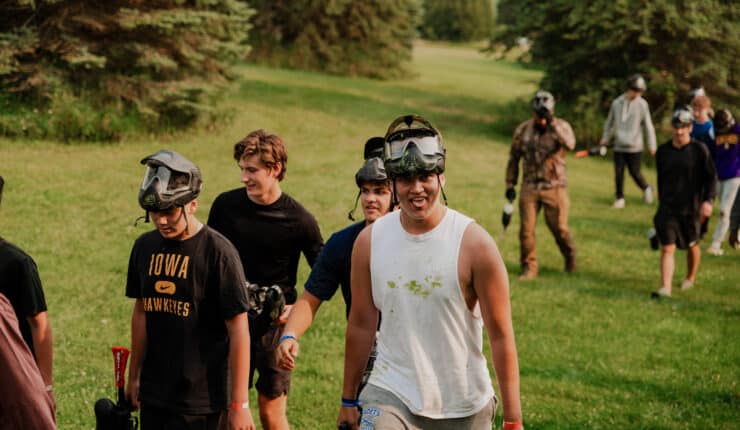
[{"x": 381, "y": 409}]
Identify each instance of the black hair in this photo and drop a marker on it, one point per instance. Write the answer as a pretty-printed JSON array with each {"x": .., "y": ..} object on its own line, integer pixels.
[{"x": 2, "y": 184}]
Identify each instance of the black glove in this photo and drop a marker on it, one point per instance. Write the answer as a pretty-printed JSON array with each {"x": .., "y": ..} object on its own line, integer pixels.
[{"x": 510, "y": 194}]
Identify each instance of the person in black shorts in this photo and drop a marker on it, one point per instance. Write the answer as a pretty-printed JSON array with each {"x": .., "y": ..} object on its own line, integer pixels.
[
  {"x": 189, "y": 327},
  {"x": 332, "y": 269},
  {"x": 270, "y": 230},
  {"x": 21, "y": 284},
  {"x": 687, "y": 184}
]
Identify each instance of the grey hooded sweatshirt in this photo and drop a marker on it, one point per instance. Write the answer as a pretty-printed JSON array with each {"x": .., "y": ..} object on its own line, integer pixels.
[{"x": 626, "y": 123}]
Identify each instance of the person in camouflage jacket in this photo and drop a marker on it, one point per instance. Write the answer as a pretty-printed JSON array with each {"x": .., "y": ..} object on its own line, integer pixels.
[{"x": 541, "y": 144}]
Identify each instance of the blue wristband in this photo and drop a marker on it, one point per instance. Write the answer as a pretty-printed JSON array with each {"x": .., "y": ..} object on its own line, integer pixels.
[
  {"x": 350, "y": 403},
  {"x": 286, "y": 337}
]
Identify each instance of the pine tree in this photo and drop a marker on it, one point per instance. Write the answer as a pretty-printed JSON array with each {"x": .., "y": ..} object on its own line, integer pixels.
[
  {"x": 161, "y": 61},
  {"x": 457, "y": 20},
  {"x": 372, "y": 38}
]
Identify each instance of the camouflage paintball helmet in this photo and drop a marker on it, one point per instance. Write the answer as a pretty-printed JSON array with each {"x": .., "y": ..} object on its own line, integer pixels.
[
  {"x": 413, "y": 147},
  {"x": 170, "y": 180}
]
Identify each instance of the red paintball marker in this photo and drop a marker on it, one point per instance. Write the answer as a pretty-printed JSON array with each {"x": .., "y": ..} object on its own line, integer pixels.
[{"x": 116, "y": 416}]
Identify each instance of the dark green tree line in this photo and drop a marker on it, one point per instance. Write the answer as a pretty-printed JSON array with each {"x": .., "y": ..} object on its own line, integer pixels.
[
  {"x": 372, "y": 38},
  {"x": 91, "y": 66},
  {"x": 457, "y": 20},
  {"x": 588, "y": 49}
]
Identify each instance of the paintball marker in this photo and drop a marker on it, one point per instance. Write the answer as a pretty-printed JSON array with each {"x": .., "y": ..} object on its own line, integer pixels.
[
  {"x": 116, "y": 416},
  {"x": 594, "y": 151},
  {"x": 508, "y": 210}
]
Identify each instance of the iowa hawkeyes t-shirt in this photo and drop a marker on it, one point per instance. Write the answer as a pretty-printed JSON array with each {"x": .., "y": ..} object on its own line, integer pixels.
[{"x": 188, "y": 288}]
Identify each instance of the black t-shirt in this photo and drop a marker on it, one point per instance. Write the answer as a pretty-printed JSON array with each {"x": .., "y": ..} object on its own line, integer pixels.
[
  {"x": 686, "y": 177},
  {"x": 20, "y": 283},
  {"x": 188, "y": 288},
  {"x": 269, "y": 238},
  {"x": 333, "y": 267}
]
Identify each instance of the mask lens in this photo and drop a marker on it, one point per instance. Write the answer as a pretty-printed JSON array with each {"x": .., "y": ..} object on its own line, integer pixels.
[
  {"x": 396, "y": 148},
  {"x": 428, "y": 145},
  {"x": 160, "y": 173}
]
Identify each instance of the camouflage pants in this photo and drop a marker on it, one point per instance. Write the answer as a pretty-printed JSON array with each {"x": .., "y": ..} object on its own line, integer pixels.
[{"x": 556, "y": 203}]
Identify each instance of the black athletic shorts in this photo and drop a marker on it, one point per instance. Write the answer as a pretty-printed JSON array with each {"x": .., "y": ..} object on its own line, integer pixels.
[
  {"x": 680, "y": 230},
  {"x": 154, "y": 418},
  {"x": 273, "y": 380}
]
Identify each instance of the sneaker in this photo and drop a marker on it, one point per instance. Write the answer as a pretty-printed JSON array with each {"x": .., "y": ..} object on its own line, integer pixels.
[
  {"x": 687, "y": 284},
  {"x": 715, "y": 250},
  {"x": 618, "y": 204},
  {"x": 662, "y": 292},
  {"x": 647, "y": 195}
]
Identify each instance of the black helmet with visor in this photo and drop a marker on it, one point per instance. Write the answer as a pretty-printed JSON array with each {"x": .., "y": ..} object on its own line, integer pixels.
[
  {"x": 372, "y": 170},
  {"x": 170, "y": 180},
  {"x": 683, "y": 116},
  {"x": 413, "y": 147}
]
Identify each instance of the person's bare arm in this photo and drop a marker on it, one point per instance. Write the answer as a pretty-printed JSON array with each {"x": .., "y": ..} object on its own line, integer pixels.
[
  {"x": 239, "y": 417},
  {"x": 361, "y": 326},
  {"x": 138, "y": 348},
  {"x": 42, "y": 345},
  {"x": 300, "y": 319},
  {"x": 490, "y": 282}
]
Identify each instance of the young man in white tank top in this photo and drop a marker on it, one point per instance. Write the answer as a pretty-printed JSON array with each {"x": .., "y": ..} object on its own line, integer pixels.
[{"x": 438, "y": 279}]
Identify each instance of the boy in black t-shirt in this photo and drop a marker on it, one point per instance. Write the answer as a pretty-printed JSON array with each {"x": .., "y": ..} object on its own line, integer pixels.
[
  {"x": 270, "y": 230},
  {"x": 686, "y": 188},
  {"x": 189, "y": 328}
]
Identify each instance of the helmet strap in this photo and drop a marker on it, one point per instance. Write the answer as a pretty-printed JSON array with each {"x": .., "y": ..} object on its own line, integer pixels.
[
  {"x": 442, "y": 189},
  {"x": 350, "y": 215},
  {"x": 185, "y": 215},
  {"x": 394, "y": 199},
  {"x": 144, "y": 217}
]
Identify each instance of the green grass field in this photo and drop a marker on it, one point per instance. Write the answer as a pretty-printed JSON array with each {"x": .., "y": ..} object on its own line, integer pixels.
[{"x": 595, "y": 352}]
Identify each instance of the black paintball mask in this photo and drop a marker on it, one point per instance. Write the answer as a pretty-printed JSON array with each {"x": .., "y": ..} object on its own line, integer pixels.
[
  {"x": 543, "y": 104},
  {"x": 170, "y": 180},
  {"x": 413, "y": 147},
  {"x": 372, "y": 170}
]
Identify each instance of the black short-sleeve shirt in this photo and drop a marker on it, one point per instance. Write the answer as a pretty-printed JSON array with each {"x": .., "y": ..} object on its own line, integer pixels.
[
  {"x": 20, "y": 283},
  {"x": 269, "y": 238},
  {"x": 188, "y": 289}
]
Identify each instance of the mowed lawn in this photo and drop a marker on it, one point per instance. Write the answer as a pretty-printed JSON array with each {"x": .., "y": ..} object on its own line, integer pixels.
[{"x": 595, "y": 352}]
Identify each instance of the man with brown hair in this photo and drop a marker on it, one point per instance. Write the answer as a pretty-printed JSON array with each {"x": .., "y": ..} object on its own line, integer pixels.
[
  {"x": 270, "y": 230},
  {"x": 541, "y": 142}
]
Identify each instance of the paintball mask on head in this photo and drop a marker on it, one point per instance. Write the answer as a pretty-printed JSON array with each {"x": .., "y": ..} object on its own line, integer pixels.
[
  {"x": 636, "y": 83},
  {"x": 374, "y": 148},
  {"x": 682, "y": 117},
  {"x": 723, "y": 121},
  {"x": 372, "y": 171},
  {"x": 170, "y": 180},
  {"x": 413, "y": 147},
  {"x": 543, "y": 104}
]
